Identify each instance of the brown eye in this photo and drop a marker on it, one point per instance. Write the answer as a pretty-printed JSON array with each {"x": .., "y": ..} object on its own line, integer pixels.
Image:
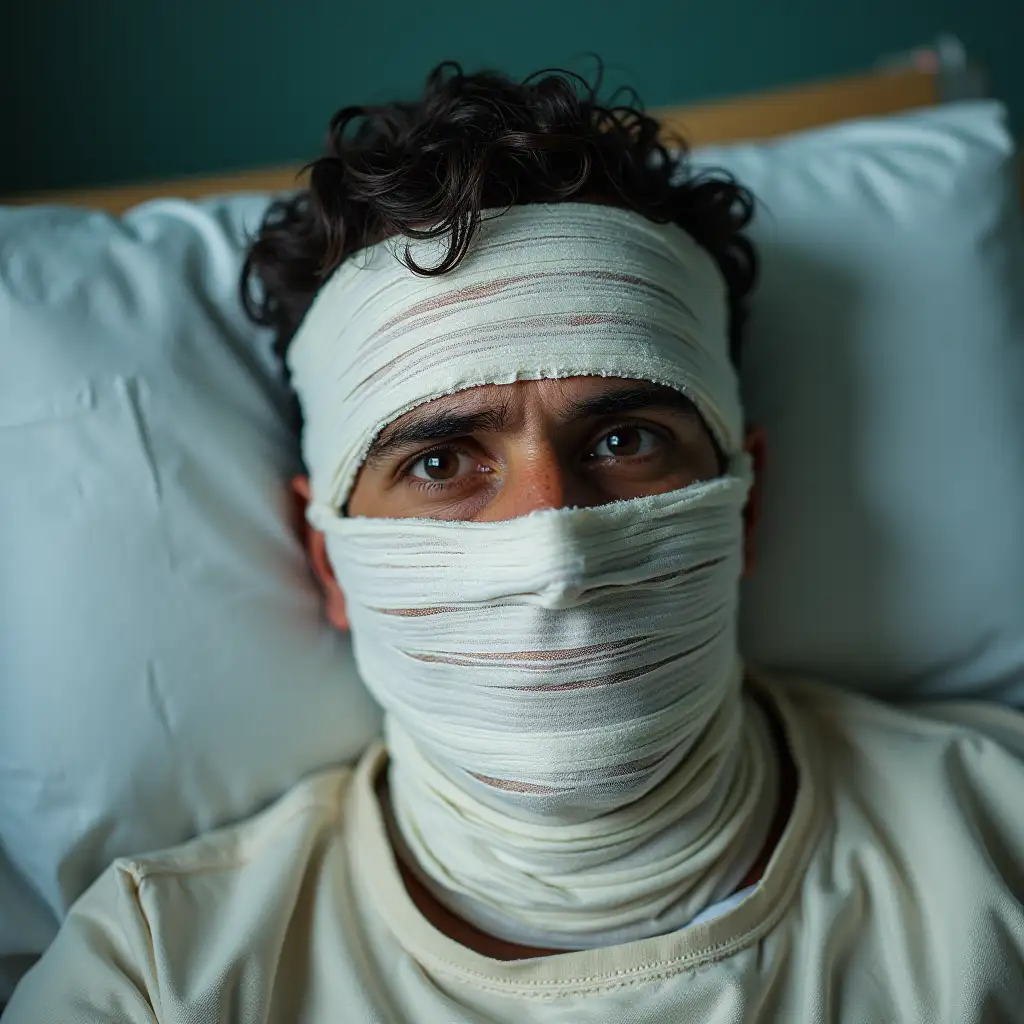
[
  {"x": 625, "y": 442},
  {"x": 440, "y": 465}
]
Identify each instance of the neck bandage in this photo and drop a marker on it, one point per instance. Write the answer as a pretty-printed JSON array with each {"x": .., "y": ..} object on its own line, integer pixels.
[{"x": 572, "y": 762}]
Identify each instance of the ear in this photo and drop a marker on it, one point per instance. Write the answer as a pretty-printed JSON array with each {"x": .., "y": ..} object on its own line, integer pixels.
[
  {"x": 316, "y": 548},
  {"x": 756, "y": 447}
]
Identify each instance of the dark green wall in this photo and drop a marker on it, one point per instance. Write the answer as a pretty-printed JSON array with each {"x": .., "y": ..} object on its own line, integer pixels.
[{"x": 104, "y": 91}]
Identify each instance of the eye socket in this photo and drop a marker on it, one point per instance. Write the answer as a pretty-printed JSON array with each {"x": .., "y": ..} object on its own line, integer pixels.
[
  {"x": 628, "y": 441},
  {"x": 451, "y": 467}
]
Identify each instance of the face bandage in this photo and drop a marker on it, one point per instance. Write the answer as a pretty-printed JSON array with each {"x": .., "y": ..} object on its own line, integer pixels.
[{"x": 571, "y": 762}]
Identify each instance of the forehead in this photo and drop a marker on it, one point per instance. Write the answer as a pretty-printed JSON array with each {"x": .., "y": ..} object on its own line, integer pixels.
[
  {"x": 550, "y": 394},
  {"x": 563, "y": 400}
]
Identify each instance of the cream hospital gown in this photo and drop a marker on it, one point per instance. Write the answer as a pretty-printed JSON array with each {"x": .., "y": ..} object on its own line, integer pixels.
[{"x": 895, "y": 895}]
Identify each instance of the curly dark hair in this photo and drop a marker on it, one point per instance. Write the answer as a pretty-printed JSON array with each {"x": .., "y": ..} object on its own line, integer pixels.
[{"x": 471, "y": 142}]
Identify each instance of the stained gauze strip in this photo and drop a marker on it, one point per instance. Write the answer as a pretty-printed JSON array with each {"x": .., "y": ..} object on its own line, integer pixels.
[{"x": 573, "y": 761}]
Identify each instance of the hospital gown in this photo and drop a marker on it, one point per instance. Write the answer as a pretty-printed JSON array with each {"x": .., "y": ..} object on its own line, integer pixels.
[{"x": 894, "y": 895}]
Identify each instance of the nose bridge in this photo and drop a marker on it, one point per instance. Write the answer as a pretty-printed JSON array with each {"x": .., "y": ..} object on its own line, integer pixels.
[
  {"x": 537, "y": 479},
  {"x": 540, "y": 471}
]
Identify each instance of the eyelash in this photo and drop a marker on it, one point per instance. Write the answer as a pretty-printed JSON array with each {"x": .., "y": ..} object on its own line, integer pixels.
[{"x": 439, "y": 485}]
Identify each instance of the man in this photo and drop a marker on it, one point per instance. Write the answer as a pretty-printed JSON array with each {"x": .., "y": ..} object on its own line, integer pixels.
[{"x": 509, "y": 317}]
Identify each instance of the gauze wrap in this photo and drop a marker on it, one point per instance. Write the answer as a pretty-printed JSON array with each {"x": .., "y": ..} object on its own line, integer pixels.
[{"x": 572, "y": 759}]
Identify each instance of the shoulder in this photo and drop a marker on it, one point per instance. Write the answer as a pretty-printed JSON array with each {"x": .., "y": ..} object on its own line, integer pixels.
[
  {"x": 311, "y": 807},
  {"x": 912, "y": 881},
  {"x": 923, "y": 795},
  {"x": 159, "y": 930},
  {"x": 859, "y": 725}
]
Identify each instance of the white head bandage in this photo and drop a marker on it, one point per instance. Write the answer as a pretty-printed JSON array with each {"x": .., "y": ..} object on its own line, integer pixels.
[
  {"x": 550, "y": 290},
  {"x": 571, "y": 762}
]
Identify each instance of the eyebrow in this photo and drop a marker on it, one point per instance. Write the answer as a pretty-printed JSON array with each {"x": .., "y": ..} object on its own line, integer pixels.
[{"x": 442, "y": 426}]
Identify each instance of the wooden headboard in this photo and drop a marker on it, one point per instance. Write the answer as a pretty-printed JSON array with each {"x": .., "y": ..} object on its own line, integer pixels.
[{"x": 757, "y": 116}]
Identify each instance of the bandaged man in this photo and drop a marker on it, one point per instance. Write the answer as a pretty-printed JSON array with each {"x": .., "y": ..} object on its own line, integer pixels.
[{"x": 511, "y": 321}]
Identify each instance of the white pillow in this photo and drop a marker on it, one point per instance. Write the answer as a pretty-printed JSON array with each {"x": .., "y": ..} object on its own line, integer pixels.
[
  {"x": 164, "y": 662},
  {"x": 165, "y": 665},
  {"x": 885, "y": 359}
]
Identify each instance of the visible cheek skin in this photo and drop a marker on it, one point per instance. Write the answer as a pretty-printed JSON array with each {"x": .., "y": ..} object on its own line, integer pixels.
[
  {"x": 704, "y": 463},
  {"x": 369, "y": 497}
]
